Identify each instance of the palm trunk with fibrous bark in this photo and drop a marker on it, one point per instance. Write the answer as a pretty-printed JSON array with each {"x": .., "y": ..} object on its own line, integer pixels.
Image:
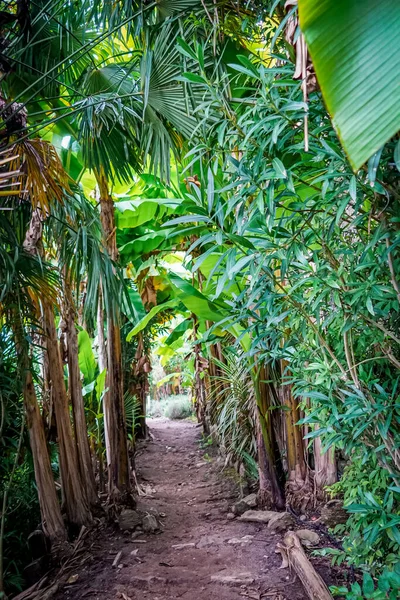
[
  {"x": 299, "y": 489},
  {"x": 76, "y": 397},
  {"x": 119, "y": 480},
  {"x": 76, "y": 502},
  {"x": 72, "y": 486},
  {"x": 325, "y": 466},
  {"x": 52, "y": 521},
  {"x": 271, "y": 494}
]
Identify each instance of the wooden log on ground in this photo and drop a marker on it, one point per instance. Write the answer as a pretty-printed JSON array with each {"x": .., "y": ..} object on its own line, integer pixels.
[{"x": 294, "y": 557}]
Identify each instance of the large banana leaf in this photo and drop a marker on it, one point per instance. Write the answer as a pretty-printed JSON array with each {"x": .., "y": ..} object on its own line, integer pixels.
[
  {"x": 354, "y": 46},
  {"x": 195, "y": 301},
  {"x": 86, "y": 359},
  {"x": 152, "y": 313}
]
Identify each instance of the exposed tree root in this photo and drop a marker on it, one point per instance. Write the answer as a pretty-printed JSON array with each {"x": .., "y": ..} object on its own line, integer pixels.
[{"x": 300, "y": 495}]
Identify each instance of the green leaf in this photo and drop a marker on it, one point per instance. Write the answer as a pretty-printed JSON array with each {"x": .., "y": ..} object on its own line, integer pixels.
[
  {"x": 86, "y": 360},
  {"x": 195, "y": 301},
  {"x": 100, "y": 383},
  {"x": 279, "y": 168},
  {"x": 88, "y": 389},
  {"x": 396, "y": 155},
  {"x": 152, "y": 313},
  {"x": 179, "y": 331},
  {"x": 354, "y": 49},
  {"x": 370, "y": 306},
  {"x": 353, "y": 188},
  {"x": 368, "y": 585},
  {"x": 193, "y": 78},
  {"x": 185, "y": 49}
]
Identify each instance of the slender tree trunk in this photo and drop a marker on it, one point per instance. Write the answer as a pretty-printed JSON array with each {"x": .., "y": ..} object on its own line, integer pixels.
[
  {"x": 52, "y": 521},
  {"x": 142, "y": 368},
  {"x": 119, "y": 483},
  {"x": 78, "y": 408},
  {"x": 50, "y": 510},
  {"x": 269, "y": 463},
  {"x": 299, "y": 488},
  {"x": 74, "y": 492},
  {"x": 102, "y": 365},
  {"x": 325, "y": 466},
  {"x": 199, "y": 383}
]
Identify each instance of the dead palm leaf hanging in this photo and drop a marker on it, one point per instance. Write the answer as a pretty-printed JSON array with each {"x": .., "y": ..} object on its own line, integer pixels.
[{"x": 35, "y": 169}]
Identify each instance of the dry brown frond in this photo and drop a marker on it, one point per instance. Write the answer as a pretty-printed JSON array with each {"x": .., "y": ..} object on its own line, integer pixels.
[{"x": 35, "y": 167}]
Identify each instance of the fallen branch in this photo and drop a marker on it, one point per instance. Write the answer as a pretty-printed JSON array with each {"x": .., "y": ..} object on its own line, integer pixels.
[{"x": 293, "y": 556}]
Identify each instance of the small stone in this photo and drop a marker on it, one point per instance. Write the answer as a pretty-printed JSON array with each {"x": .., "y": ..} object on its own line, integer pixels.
[
  {"x": 146, "y": 509},
  {"x": 280, "y": 522},
  {"x": 129, "y": 519},
  {"x": 230, "y": 516},
  {"x": 307, "y": 537},
  {"x": 258, "y": 516},
  {"x": 246, "y": 539},
  {"x": 208, "y": 540},
  {"x": 237, "y": 579},
  {"x": 182, "y": 546},
  {"x": 150, "y": 524},
  {"x": 244, "y": 504},
  {"x": 303, "y": 518}
]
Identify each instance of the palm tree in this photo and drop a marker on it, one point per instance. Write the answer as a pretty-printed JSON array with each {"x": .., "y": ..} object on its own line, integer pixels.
[{"x": 24, "y": 279}]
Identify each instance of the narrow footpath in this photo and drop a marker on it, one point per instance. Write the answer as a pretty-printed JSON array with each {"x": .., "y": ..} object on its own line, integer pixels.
[{"x": 200, "y": 554}]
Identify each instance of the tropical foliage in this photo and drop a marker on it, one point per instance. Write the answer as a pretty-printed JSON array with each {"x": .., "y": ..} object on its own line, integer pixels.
[{"x": 172, "y": 185}]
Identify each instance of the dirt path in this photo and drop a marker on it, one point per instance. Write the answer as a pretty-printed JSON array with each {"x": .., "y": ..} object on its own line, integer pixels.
[{"x": 200, "y": 554}]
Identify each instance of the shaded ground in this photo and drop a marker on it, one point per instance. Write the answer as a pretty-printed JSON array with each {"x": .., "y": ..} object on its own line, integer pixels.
[{"x": 214, "y": 563}]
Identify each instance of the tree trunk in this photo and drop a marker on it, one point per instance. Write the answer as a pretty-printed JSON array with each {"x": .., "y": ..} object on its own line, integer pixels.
[
  {"x": 78, "y": 407},
  {"x": 119, "y": 483},
  {"x": 200, "y": 392},
  {"x": 325, "y": 466},
  {"x": 140, "y": 386},
  {"x": 269, "y": 463},
  {"x": 74, "y": 493},
  {"x": 299, "y": 490},
  {"x": 50, "y": 510},
  {"x": 52, "y": 521},
  {"x": 102, "y": 352}
]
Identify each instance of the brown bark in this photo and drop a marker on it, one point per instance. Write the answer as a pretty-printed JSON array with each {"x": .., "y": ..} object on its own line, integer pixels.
[
  {"x": 74, "y": 493},
  {"x": 269, "y": 464},
  {"x": 294, "y": 557},
  {"x": 50, "y": 510},
  {"x": 52, "y": 521},
  {"x": 141, "y": 370},
  {"x": 325, "y": 466},
  {"x": 299, "y": 489},
  {"x": 78, "y": 407},
  {"x": 102, "y": 351},
  {"x": 119, "y": 483}
]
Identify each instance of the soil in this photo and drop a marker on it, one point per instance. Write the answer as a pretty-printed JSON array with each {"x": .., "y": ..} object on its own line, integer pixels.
[{"x": 200, "y": 552}]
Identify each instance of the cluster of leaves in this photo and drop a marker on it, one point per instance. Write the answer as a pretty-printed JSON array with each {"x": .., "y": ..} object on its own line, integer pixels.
[{"x": 305, "y": 254}]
